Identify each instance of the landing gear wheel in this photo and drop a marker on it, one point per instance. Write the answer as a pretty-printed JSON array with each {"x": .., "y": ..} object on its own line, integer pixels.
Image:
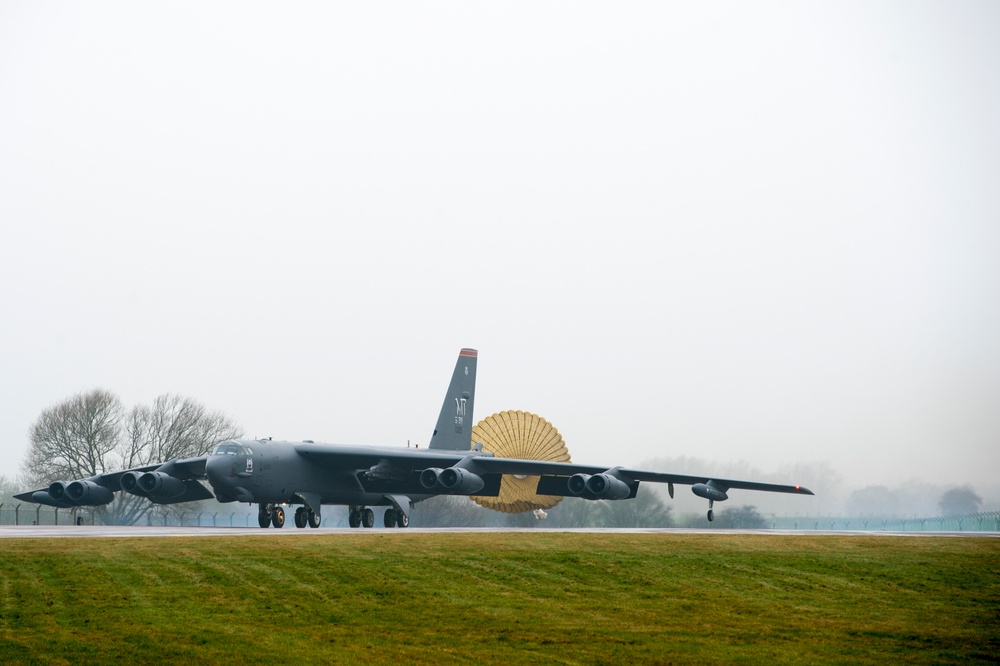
[
  {"x": 263, "y": 516},
  {"x": 402, "y": 520},
  {"x": 367, "y": 517},
  {"x": 300, "y": 517},
  {"x": 389, "y": 519},
  {"x": 313, "y": 519},
  {"x": 711, "y": 515},
  {"x": 354, "y": 517},
  {"x": 278, "y": 517}
]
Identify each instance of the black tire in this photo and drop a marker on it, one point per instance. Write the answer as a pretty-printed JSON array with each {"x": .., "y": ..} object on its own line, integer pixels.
[
  {"x": 300, "y": 517},
  {"x": 402, "y": 520},
  {"x": 367, "y": 517},
  {"x": 354, "y": 519},
  {"x": 278, "y": 517},
  {"x": 711, "y": 515},
  {"x": 389, "y": 520},
  {"x": 263, "y": 518},
  {"x": 313, "y": 519}
]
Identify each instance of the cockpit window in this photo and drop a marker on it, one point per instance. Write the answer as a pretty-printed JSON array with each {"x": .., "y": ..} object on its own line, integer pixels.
[{"x": 230, "y": 449}]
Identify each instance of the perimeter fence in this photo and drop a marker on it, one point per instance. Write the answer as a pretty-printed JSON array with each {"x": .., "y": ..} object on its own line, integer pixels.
[
  {"x": 972, "y": 522},
  {"x": 26, "y": 513}
]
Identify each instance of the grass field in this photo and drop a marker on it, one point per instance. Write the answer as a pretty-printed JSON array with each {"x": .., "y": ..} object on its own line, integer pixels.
[{"x": 505, "y": 597}]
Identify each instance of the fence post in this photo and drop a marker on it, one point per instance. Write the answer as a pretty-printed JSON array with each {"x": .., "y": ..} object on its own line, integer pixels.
[{"x": 17, "y": 510}]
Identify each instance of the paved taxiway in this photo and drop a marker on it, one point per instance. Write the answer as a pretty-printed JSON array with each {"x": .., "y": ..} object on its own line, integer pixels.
[{"x": 102, "y": 531}]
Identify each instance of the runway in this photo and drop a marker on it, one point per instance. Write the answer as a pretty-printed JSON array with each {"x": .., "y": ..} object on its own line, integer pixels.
[{"x": 130, "y": 532}]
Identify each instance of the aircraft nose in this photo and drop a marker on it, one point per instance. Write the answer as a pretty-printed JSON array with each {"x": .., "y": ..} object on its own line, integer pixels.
[{"x": 218, "y": 469}]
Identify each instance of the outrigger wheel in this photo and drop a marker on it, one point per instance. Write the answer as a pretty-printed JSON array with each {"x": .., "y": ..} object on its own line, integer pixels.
[{"x": 517, "y": 434}]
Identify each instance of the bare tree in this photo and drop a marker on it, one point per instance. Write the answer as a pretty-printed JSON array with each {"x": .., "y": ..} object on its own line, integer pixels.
[
  {"x": 74, "y": 439},
  {"x": 90, "y": 434}
]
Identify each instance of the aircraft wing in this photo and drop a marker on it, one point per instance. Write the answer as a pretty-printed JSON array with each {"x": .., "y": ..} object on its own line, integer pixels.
[
  {"x": 170, "y": 482},
  {"x": 554, "y": 475},
  {"x": 542, "y": 468}
]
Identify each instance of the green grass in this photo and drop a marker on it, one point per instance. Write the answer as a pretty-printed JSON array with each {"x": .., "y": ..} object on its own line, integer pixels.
[{"x": 485, "y": 597}]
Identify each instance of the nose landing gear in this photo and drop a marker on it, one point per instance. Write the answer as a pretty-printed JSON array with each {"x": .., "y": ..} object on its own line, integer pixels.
[{"x": 269, "y": 514}]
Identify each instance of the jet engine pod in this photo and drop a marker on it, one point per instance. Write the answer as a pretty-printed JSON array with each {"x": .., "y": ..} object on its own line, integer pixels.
[
  {"x": 460, "y": 481},
  {"x": 517, "y": 434},
  {"x": 429, "y": 478},
  {"x": 88, "y": 493},
  {"x": 57, "y": 491},
  {"x": 158, "y": 484},
  {"x": 605, "y": 486},
  {"x": 129, "y": 482},
  {"x": 43, "y": 497},
  {"x": 577, "y": 483}
]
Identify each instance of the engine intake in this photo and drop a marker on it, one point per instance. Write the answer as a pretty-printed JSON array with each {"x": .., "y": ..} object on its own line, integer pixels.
[
  {"x": 88, "y": 493},
  {"x": 57, "y": 491},
  {"x": 159, "y": 484},
  {"x": 452, "y": 480},
  {"x": 605, "y": 486},
  {"x": 598, "y": 486},
  {"x": 429, "y": 478},
  {"x": 460, "y": 481}
]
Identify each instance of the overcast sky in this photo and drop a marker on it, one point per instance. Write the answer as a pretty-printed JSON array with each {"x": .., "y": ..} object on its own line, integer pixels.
[{"x": 733, "y": 231}]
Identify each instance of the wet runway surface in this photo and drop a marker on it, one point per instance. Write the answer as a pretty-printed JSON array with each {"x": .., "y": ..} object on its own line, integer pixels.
[{"x": 101, "y": 531}]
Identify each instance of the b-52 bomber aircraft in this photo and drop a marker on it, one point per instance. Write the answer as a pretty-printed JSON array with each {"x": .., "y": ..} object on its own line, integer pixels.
[{"x": 274, "y": 474}]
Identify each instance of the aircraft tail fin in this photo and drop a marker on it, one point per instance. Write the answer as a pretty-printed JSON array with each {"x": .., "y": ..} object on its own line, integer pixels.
[{"x": 454, "y": 424}]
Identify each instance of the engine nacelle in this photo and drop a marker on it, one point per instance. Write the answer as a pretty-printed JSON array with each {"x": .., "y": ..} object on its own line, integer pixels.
[
  {"x": 43, "y": 497},
  {"x": 452, "y": 480},
  {"x": 88, "y": 493},
  {"x": 158, "y": 484},
  {"x": 460, "y": 481},
  {"x": 57, "y": 492},
  {"x": 709, "y": 492},
  {"x": 577, "y": 483},
  {"x": 429, "y": 478},
  {"x": 605, "y": 486},
  {"x": 129, "y": 481}
]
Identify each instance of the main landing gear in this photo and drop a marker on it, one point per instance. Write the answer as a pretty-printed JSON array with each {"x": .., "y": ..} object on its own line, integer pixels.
[
  {"x": 269, "y": 515},
  {"x": 306, "y": 516},
  {"x": 395, "y": 518},
  {"x": 360, "y": 515},
  {"x": 363, "y": 515}
]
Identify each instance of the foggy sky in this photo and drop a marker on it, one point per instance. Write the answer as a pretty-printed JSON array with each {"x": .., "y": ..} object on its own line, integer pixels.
[{"x": 738, "y": 232}]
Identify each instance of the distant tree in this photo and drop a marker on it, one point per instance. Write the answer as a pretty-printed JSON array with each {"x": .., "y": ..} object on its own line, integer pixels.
[
  {"x": 960, "y": 501},
  {"x": 451, "y": 511},
  {"x": 744, "y": 517},
  {"x": 646, "y": 509},
  {"x": 573, "y": 512},
  {"x": 873, "y": 501},
  {"x": 90, "y": 434}
]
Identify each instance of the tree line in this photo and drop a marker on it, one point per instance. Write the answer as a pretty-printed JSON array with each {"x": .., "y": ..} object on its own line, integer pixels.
[{"x": 92, "y": 433}]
